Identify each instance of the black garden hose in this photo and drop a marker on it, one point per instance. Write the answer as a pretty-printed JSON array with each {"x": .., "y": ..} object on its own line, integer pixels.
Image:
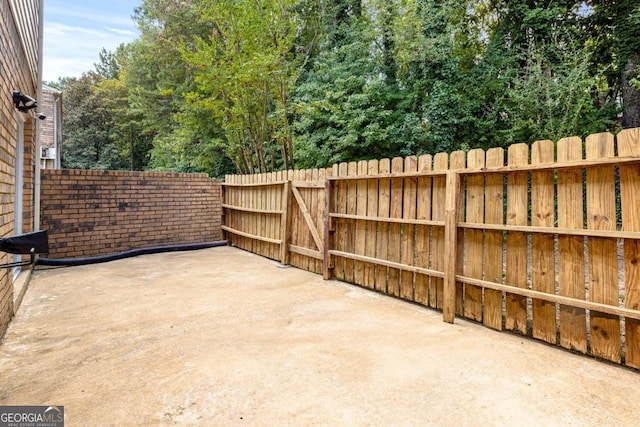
[{"x": 128, "y": 254}]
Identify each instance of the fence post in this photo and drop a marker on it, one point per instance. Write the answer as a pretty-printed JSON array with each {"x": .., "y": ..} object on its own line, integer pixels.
[
  {"x": 450, "y": 246},
  {"x": 329, "y": 229},
  {"x": 285, "y": 223},
  {"x": 223, "y": 213}
]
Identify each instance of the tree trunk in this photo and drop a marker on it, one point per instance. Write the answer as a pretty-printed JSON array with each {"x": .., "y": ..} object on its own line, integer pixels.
[
  {"x": 630, "y": 94},
  {"x": 388, "y": 16}
]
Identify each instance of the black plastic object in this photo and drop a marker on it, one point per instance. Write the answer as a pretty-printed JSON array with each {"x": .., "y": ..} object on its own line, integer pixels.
[
  {"x": 127, "y": 254},
  {"x": 37, "y": 242},
  {"x": 30, "y": 243}
]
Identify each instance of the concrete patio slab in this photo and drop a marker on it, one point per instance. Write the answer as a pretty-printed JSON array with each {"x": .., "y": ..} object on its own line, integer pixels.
[{"x": 224, "y": 337}]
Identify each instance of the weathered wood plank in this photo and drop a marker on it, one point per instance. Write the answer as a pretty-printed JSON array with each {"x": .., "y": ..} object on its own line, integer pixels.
[
  {"x": 272, "y": 224},
  {"x": 360, "y": 226},
  {"x": 507, "y": 169},
  {"x": 285, "y": 224},
  {"x": 557, "y": 299},
  {"x": 329, "y": 229},
  {"x": 407, "y": 255},
  {"x": 295, "y": 258},
  {"x": 307, "y": 241},
  {"x": 458, "y": 160},
  {"x": 382, "y": 244},
  {"x": 543, "y": 248},
  {"x": 308, "y": 220},
  {"x": 395, "y": 230},
  {"x": 260, "y": 211},
  {"x": 629, "y": 145},
  {"x": 573, "y": 321},
  {"x": 251, "y": 236},
  {"x": 244, "y": 219},
  {"x": 317, "y": 255},
  {"x": 453, "y": 193},
  {"x": 603, "y": 260},
  {"x": 257, "y": 223},
  {"x": 350, "y": 224},
  {"x": 474, "y": 238},
  {"x": 277, "y": 204},
  {"x": 517, "y": 214},
  {"x": 318, "y": 194},
  {"x": 229, "y": 216},
  {"x": 371, "y": 227},
  {"x": 609, "y": 234},
  {"x": 236, "y": 222},
  {"x": 441, "y": 223},
  {"x": 339, "y": 242},
  {"x": 390, "y": 264},
  {"x": 440, "y": 163},
  {"x": 423, "y": 232},
  {"x": 493, "y": 240}
]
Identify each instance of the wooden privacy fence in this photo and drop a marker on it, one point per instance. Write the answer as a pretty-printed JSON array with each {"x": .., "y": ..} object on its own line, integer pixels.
[{"x": 546, "y": 245}]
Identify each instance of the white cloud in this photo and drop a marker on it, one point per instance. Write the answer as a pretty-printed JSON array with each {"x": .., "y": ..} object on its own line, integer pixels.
[
  {"x": 79, "y": 15},
  {"x": 73, "y": 39},
  {"x": 120, "y": 31}
]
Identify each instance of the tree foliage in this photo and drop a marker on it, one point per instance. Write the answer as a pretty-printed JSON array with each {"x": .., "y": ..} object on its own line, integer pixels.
[
  {"x": 261, "y": 85},
  {"x": 245, "y": 69}
]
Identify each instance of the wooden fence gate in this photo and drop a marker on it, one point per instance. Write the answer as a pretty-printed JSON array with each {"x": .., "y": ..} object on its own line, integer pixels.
[{"x": 546, "y": 245}]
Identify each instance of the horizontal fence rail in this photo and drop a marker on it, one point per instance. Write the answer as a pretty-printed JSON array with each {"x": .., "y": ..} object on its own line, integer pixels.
[{"x": 540, "y": 240}]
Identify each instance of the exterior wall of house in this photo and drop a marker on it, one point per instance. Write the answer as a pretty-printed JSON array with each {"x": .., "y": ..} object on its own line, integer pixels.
[
  {"x": 51, "y": 128},
  {"x": 91, "y": 212},
  {"x": 18, "y": 71}
]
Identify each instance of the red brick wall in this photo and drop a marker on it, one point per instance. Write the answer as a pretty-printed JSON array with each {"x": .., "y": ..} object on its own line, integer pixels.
[
  {"x": 15, "y": 74},
  {"x": 90, "y": 213}
]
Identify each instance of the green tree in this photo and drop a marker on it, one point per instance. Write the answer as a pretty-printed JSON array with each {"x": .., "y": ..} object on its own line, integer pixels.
[
  {"x": 244, "y": 73},
  {"x": 348, "y": 103},
  {"x": 613, "y": 33},
  {"x": 87, "y": 126},
  {"x": 256, "y": 85},
  {"x": 553, "y": 100},
  {"x": 183, "y": 137}
]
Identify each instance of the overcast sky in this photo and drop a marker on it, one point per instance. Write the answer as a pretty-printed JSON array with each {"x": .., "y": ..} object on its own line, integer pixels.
[{"x": 76, "y": 30}]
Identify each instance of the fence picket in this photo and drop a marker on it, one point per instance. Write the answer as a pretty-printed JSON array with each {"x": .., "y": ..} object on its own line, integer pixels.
[
  {"x": 423, "y": 232},
  {"x": 371, "y": 226},
  {"x": 395, "y": 230},
  {"x": 350, "y": 224},
  {"x": 296, "y": 259},
  {"x": 543, "y": 250},
  {"x": 260, "y": 221},
  {"x": 255, "y": 245},
  {"x": 360, "y": 225},
  {"x": 341, "y": 207},
  {"x": 458, "y": 160},
  {"x": 244, "y": 197},
  {"x": 389, "y": 235},
  {"x": 407, "y": 254},
  {"x": 440, "y": 162},
  {"x": 573, "y": 320},
  {"x": 277, "y": 205},
  {"x": 493, "y": 240},
  {"x": 603, "y": 259},
  {"x": 307, "y": 175},
  {"x": 473, "y": 240},
  {"x": 382, "y": 247},
  {"x": 272, "y": 250},
  {"x": 319, "y": 196},
  {"x": 629, "y": 145},
  {"x": 517, "y": 214}
]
